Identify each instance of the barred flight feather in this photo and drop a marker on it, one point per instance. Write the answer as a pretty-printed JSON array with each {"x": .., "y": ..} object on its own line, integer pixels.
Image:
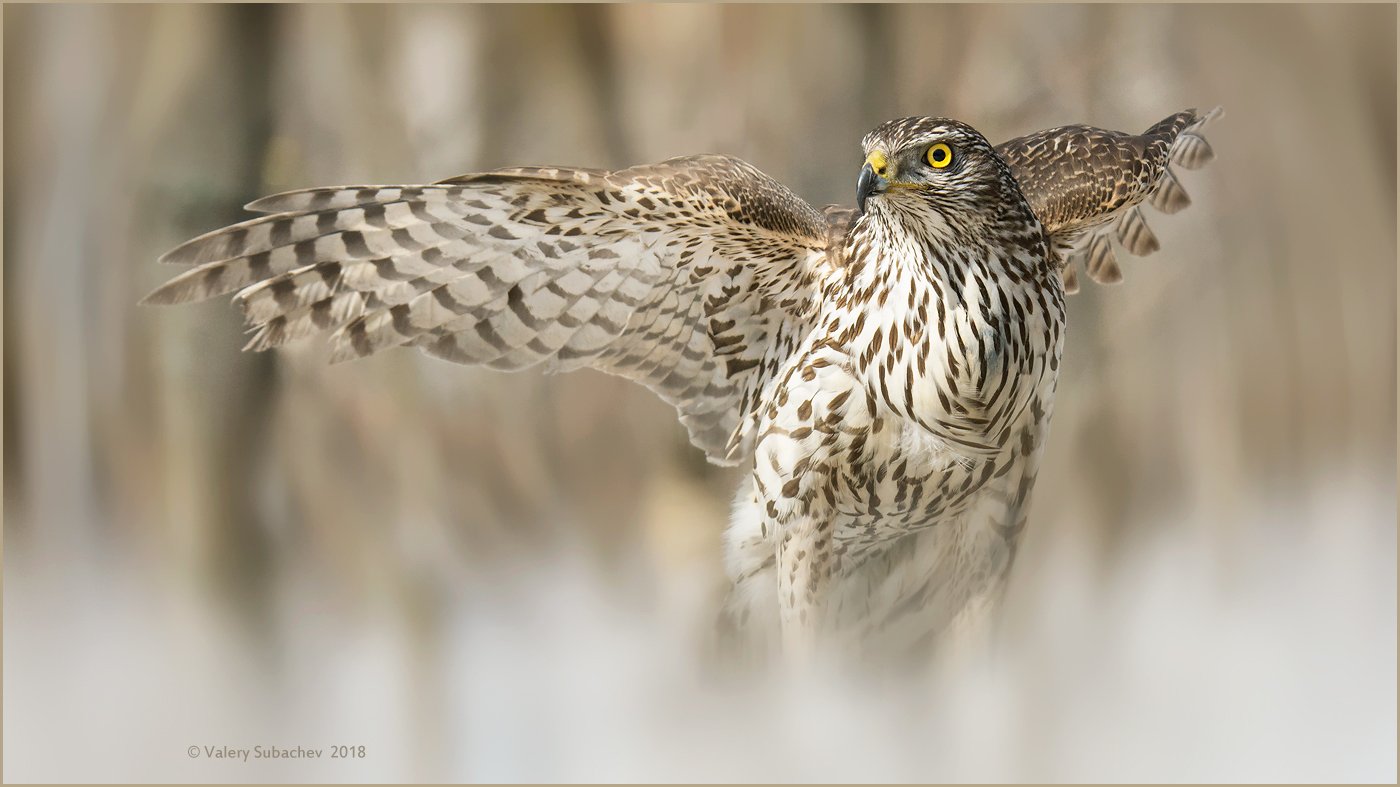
[
  {"x": 656, "y": 273},
  {"x": 1086, "y": 184}
]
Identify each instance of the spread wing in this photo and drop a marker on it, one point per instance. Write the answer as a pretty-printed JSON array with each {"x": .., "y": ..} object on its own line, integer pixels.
[
  {"x": 688, "y": 276},
  {"x": 1087, "y": 185}
]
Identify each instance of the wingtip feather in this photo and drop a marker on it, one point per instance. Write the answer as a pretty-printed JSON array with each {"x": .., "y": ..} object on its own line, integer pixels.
[
  {"x": 1069, "y": 277},
  {"x": 176, "y": 291},
  {"x": 1109, "y": 275},
  {"x": 1216, "y": 113},
  {"x": 184, "y": 254},
  {"x": 1170, "y": 196},
  {"x": 156, "y": 298},
  {"x": 273, "y": 203}
]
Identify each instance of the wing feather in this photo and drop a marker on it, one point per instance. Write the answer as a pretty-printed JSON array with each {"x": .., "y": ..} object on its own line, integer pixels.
[
  {"x": 679, "y": 275},
  {"x": 1169, "y": 196},
  {"x": 1087, "y": 184}
]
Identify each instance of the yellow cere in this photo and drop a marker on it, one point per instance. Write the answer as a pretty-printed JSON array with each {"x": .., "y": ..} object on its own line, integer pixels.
[
  {"x": 940, "y": 156},
  {"x": 879, "y": 163}
]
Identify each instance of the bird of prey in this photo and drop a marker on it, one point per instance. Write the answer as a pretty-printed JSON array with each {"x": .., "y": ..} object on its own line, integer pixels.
[{"x": 885, "y": 372}]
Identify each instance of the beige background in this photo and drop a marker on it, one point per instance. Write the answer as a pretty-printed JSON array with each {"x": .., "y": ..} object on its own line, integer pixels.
[{"x": 240, "y": 549}]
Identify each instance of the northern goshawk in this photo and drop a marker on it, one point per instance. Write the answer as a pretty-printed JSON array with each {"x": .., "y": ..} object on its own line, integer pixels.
[{"x": 886, "y": 372}]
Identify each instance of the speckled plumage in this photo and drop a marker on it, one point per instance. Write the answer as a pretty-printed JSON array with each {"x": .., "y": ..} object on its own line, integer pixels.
[
  {"x": 1087, "y": 185},
  {"x": 887, "y": 375}
]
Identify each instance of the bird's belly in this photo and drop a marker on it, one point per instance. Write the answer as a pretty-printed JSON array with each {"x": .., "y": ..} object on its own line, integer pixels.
[{"x": 908, "y": 480}]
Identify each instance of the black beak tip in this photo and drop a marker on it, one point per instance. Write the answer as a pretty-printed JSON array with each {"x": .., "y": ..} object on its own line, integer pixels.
[{"x": 865, "y": 186}]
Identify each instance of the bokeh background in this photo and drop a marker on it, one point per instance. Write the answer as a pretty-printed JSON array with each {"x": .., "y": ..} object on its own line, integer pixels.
[{"x": 482, "y": 576}]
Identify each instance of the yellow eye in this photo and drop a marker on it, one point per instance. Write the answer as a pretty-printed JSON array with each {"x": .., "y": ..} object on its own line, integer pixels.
[{"x": 940, "y": 156}]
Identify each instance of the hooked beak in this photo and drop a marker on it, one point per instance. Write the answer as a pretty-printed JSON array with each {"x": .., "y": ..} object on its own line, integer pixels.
[{"x": 874, "y": 178}]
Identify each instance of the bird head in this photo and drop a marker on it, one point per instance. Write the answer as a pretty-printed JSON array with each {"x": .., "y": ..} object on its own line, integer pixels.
[{"x": 919, "y": 166}]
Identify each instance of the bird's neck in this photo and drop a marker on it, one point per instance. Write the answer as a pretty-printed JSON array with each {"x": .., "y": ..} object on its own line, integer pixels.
[{"x": 936, "y": 249}]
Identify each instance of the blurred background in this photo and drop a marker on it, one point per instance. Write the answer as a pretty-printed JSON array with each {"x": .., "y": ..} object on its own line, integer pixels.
[{"x": 481, "y": 576}]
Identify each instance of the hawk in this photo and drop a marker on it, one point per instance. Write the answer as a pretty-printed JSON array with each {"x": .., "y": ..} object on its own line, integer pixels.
[{"x": 886, "y": 372}]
